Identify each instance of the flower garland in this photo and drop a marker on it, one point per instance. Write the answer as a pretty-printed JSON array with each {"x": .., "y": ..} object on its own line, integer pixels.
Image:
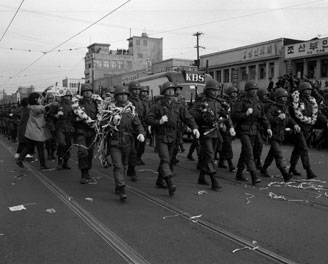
[{"x": 299, "y": 106}]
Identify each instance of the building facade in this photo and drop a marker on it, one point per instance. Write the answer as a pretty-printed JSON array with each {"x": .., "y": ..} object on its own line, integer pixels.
[
  {"x": 308, "y": 59},
  {"x": 141, "y": 54},
  {"x": 257, "y": 62}
]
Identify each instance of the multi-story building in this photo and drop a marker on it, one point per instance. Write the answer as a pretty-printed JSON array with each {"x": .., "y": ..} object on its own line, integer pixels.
[
  {"x": 72, "y": 84},
  {"x": 142, "y": 52},
  {"x": 257, "y": 62}
]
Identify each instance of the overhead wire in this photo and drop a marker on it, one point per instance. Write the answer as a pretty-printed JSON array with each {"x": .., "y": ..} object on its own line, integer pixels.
[
  {"x": 75, "y": 35},
  {"x": 11, "y": 21}
]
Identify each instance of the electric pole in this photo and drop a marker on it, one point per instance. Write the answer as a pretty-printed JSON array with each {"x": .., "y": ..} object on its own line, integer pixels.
[{"x": 197, "y": 62}]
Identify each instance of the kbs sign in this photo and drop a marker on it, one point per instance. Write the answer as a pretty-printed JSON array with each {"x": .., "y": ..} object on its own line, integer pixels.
[{"x": 194, "y": 77}]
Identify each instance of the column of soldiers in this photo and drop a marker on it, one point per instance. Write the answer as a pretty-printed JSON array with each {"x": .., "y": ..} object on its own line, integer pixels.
[{"x": 214, "y": 120}]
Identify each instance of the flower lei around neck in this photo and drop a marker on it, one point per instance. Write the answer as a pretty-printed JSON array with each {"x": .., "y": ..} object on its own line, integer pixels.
[{"x": 299, "y": 106}]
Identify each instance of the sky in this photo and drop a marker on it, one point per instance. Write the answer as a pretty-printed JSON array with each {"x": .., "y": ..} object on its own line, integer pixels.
[{"x": 44, "y": 41}]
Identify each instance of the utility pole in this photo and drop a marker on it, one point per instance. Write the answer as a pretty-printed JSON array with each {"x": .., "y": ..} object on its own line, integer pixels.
[{"x": 197, "y": 62}]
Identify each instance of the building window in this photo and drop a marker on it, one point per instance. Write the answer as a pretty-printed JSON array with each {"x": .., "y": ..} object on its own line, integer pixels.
[
  {"x": 106, "y": 64},
  {"x": 97, "y": 63},
  {"x": 226, "y": 76},
  {"x": 218, "y": 76},
  {"x": 144, "y": 42},
  {"x": 252, "y": 72},
  {"x": 138, "y": 41},
  {"x": 243, "y": 73},
  {"x": 113, "y": 64},
  {"x": 312, "y": 65},
  {"x": 324, "y": 68},
  {"x": 271, "y": 70},
  {"x": 262, "y": 71},
  {"x": 140, "y": 56},
  {"x": 129, "y": 65},
  {"x": 89, "y": 66},
  {"x": 120, "y": 65}
]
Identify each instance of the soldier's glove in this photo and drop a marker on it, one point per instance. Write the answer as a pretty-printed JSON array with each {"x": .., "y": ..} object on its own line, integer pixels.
[
  {"x": 249, "y": 111},
  {"x": 297, "y": 128},
  {"x": 149, "y": 129},
  {"x": 141, "y": 138},
  {"x": 232, "y": 131},
  {"x": 60, "y": 113},
  {"x": 282, "y": 116},
  {"x": 163, "y": 120},
  {"x": 269, "y": 132},
  {"x": 196, "y": 133}
]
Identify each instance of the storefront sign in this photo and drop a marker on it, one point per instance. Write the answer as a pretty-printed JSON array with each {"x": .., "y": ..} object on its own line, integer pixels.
[
  {"x": 309, "y": 48},
  {"x": 259, "y": 52}
]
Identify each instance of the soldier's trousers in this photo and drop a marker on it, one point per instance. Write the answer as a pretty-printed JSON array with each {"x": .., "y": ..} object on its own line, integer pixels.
[
  {"x": 246, "y": 155},
  {"x": 226, "y": 152},
  {"x": 85, "y": 141},
  {"x": 166, "y": 154},
  {"x": 120, "y": 152},
  {"x": 64, "y": 141},
  {"x": 274, "y": 153},
  {"x": 300, "y": 150},
  {"x": 258, "y": 146},
  {"x": 208, "y": 148}
]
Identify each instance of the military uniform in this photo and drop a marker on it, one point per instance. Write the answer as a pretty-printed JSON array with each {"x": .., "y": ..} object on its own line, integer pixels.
[
  {"x": 165, "y": 116},
  {"x": 209, "y": 114},
  {"x": 304, "y": 110},
  {"x": 121, "y": 139},
  {"x": 86, "y": 134},
  {"x": 279, "y": 118},
  {"x": 247, "y": 113}
]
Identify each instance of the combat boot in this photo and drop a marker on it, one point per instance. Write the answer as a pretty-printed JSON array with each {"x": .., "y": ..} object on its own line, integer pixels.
[
  {"x": 255, "y": 179},
  {"x": 202, "y": 180},
  {"x": 258, "y": 164},
  {"x": 221, "y": 164},
  {"x": 264, "y": 172},
  {"x": 240, "y": 176},
  {"x": 310, "y": 174},
  {"x": 172, "y": 188},
  {"x": 215, "y": 185},
  {"x": 293, "y": 171},
  {"x": 232, "y": 168},
  {"x": 52, "y": 155},
  {"x": 65, "y": 165},
  {"x": 160, "y": 183},
  {"x": 287, "y": 176},
  {"x": 122, "y": 193},
  {"x": 60, "y": 163}
]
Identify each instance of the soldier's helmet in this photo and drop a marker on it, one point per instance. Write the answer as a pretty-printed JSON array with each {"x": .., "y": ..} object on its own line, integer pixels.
[
  {"x": 111, "y": 90},
  {"x": 262, "y": 91},
  {"x": 304, "y": 86},
  {"x": 250, "y": 85},
  {"x": 145, "y": 89},
  {"x": 49, "y": 96},
  {"x": 68, "y": 93},
  {"x": 166, "y": 86},
  {"x": 121, "y": 89},
  {"x": 86, "y": 87},
  {"x": 280, "y": 92},
  {"x": 134, "y": 85},
  {"x": 211, "y": 84},
  {"x": 231, "y": 89}
]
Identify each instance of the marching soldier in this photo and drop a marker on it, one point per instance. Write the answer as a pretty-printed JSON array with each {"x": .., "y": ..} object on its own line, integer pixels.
[
  {"x": 134, "y": 90},
  {"x": 247, "y": 112},
  {"x": 210, "y": 115},
  {"x": 304, "y": 110},
  {"x": 121, "y": 139},
  {"x": 263, "y": 96},
  {"x": 226, "y": 152},
  {"x": 85, "y": 132},
  {"x": 64, "y": 126},
  {"x": 279, "y": 118},
  {"x": 51, "y": 144},
  {"x": 165, "y": 116}
]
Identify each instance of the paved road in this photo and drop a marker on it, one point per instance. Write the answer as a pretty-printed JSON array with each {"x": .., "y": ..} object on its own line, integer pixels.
[{"x": 282, "y": 223}]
